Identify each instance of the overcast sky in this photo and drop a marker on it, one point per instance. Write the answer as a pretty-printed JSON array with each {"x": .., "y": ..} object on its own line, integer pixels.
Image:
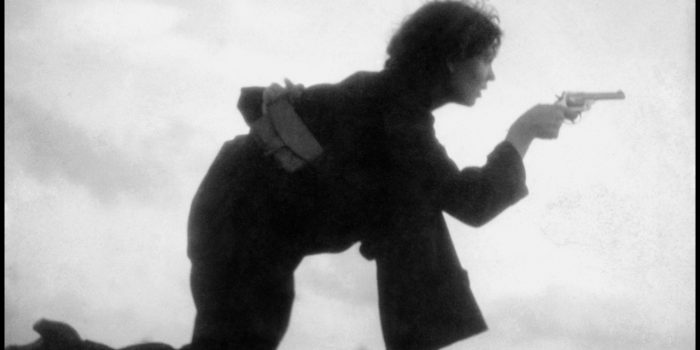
[{"x": 115, "y": 109}]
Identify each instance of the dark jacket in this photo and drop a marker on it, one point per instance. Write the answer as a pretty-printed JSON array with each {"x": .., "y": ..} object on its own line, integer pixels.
[{"x": 383, "y": 180}]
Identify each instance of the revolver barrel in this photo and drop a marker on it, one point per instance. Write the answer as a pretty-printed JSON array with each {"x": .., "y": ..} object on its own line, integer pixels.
[{"x": 580, "y": 98}]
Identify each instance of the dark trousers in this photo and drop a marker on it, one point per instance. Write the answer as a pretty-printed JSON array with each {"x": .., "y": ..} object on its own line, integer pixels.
[
  {"x": 242, "y": 305},
  {"x": 244, "y": 294},
  {"x": 243, "y": 251}
]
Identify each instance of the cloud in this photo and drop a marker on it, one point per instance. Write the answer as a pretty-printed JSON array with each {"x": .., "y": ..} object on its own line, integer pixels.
[
  {"x": 117, "y": 273},
  {"x": 110, "y": 69},
  {"x": 48, "y": 148},
  {"x": 588, "y": 321},
  {"x": 347, "y": 278}
]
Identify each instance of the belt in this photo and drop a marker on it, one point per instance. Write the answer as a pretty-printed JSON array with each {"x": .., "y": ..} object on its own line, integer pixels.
[{"x": 280, "y": 130}]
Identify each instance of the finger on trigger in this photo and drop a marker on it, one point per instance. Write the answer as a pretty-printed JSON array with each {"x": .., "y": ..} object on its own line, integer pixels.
[
  {"x": 560, "y": 115},
  {"x": 571, "y": 112}
]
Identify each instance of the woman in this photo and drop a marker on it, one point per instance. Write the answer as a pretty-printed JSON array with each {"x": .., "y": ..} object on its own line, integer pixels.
[{"x": 330, "y": 165}]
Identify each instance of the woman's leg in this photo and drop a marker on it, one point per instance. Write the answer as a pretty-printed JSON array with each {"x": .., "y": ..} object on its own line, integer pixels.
[{"x": 242, "y": 307}]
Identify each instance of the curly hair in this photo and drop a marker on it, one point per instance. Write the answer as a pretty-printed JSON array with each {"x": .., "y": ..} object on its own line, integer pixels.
[{"x": 442, "y": 31}]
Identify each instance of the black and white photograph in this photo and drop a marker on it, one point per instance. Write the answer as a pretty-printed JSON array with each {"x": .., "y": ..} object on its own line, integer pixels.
[{"x": 350, "y": 175}]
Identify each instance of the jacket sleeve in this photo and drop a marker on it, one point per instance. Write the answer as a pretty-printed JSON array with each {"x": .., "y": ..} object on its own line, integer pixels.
[
  {"x": 425, "y": 174},
  {"x": 478, "y": 194}
]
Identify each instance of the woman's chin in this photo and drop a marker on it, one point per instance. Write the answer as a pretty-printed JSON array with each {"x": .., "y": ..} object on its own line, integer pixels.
[{"x": 467, "y": 101}]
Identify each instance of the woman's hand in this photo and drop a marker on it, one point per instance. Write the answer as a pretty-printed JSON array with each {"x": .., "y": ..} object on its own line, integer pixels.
[{"x": 541, "y": 121}]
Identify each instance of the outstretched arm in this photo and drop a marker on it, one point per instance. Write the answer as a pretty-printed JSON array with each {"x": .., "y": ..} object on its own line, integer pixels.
[
  {"x": 475, "y": 195},
  {"x": 423, "y": 174}
]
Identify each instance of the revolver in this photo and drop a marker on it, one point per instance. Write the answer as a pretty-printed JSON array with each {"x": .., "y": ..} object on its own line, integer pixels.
[{"x": 582, "y": 101}]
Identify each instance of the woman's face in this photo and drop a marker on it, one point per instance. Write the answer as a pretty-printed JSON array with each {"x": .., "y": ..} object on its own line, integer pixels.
[{"x": 469, "y": 77}]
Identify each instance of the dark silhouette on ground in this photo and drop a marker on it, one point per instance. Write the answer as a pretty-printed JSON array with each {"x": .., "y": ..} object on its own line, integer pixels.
[{"x": 61, "y": 336}]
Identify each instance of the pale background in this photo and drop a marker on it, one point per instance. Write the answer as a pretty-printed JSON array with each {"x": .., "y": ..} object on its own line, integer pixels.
[{"x": 115, "y": 109}]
